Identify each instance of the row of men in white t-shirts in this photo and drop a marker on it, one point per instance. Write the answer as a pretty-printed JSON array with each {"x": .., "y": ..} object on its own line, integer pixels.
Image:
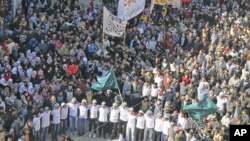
[{"x": 105, "y": 114}]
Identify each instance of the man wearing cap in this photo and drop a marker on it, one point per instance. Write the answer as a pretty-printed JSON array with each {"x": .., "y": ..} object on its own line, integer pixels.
[
  {"x": 83, "y": 115},
  {"x": 64, "y": 118},
  {"x": 165, "y": 127},
  {"x": 73, "y": 115},
  {"x": 56, "y": 119},
  {"x": 123, "y": 118},
  {"x": 158, "y": 127},
  {"x": 93, "y": 118},
  {"x": 130, "y": 125},
  {"x": 149, "y": 127},
  {"x": 140, "y": 125},
  {"x": 103, "y": 119},
  {"x": 113, "y": 118},
  {"x": 45, "y": 117}
]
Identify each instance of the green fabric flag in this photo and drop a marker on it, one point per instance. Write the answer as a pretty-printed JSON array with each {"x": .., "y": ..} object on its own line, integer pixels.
[
  {"x": 106, "y": 82},
  {"x": 199, "y": 110}
]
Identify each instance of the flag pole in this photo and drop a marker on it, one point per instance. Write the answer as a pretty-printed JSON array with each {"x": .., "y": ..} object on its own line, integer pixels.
[{"x": 119, "y": 91}]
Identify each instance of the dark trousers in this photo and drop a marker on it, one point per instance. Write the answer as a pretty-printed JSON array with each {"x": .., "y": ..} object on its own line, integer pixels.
[
  {"x": 157, "y": 136},
  {"x": 36, "y": 135},
  {"x": 122, "y": 128},
  {"x": 114, "y": 131},
  {"x": 93, "y": 122},
  {"x": 102, "y": 129},
  {"x": 55, "y": 131},
  {"x": 63, "y": 126},
  {"x": 138, "y": 134}
]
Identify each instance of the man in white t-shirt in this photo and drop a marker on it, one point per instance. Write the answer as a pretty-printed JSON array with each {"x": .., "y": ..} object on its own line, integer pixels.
[
  {"x": 113, "y": 118},
  {"x": 73, "y": 115},
  {"x": 158, "y": 127},
  {"x": 36, "y": 123},
  {"x": 103, "y": 119},
  {"x": 56, "y": 119},
  {"x": 93, "y": 118},
  {"x": 123, "y": 119},
  {"x": 130, "y": 125},
  {"x": 45, "y": 117},
  {"x": 139, "y": 127},
  {"x": 165, "y": 127},
  {"x": 154, "y": 91},
  {"x": 64, "y": 118},
  {"x": 149, "y": 127},
  {"x": 83, "y": 115}
]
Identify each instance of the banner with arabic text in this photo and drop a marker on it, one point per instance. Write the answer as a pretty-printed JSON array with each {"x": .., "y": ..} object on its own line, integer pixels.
[{"x": 112, "y": 25}]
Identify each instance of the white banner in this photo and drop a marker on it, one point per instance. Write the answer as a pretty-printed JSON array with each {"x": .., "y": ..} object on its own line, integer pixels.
[
  {"x": 112, "y": 25},
  {"x": 176, "y": 4},
  {"x": 128, "y": 9}
]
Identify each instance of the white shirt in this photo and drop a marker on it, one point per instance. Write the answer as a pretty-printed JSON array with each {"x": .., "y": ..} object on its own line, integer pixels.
[
  {"x": 64, "y": 112},
  {"x": 103, "y": 114},
  {"x": 36, "y": 123},
  {"x": 45, "y": 116},
  {"x": 83, "y": 112},
  {"x": 220, "y": 102},
  {"x": 182, "y": 122},
  {"x": 159, "y": 80},
  {"x": 165, "y": 127},
  {"x": 225, "y": 121},
  {"x": 56, "y": 116},
  {"x": 150, "y": 122},
  {"x": 73, "y": 109},
  {"x": 146, "y": 91},
  {"x": 114, "y": 115},
  {"x": 94, "y": 111},
  {"x": 158, "y": 124},
  {"x": 140, "y": 122},
  {"x": 124, "y": 114},
  {"x": 154, "y": 91},
  {"x": 131, "y": 121}
]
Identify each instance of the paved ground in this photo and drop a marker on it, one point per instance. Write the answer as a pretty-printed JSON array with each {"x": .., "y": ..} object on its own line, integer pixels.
[
  {"x": 85, "y": 138},
  {"x": 81, "y": 138}
]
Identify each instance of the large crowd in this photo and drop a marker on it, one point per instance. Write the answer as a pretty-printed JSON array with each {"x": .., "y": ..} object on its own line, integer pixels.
[{"x": 52, "y": 51}]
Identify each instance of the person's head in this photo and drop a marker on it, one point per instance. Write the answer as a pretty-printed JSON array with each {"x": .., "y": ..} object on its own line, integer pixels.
[
  {"x": 141, "y": 113},
  {"x": 131, "y": 110},
  {"x": 238, "y": 103},
  {"x": 73, "y": 100},
  {"x": 94, "y": 102},
  {"x": 46, "y": 109},
  {"x": 149, "y": 113},
  {"x": 103, "y": 104},
  {"x": 57, "y": 106},
  {"x": 84, "y": 102},
  {"x": 228, "y": 114},
  {"x": 53, "y": 98},
  {"x": 114, "y": 106},
  {"x": 155, "y": 85},
  {"x": 63, "y": 104},
  {"x": 124, "y": 104}
]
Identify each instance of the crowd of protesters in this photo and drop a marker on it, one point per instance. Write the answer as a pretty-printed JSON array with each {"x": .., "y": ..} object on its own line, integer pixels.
[{"x": 53, "y": 50}]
